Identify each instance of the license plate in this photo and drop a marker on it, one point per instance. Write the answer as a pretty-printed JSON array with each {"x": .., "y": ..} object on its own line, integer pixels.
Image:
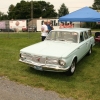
[{"x": 38, "y": 67}]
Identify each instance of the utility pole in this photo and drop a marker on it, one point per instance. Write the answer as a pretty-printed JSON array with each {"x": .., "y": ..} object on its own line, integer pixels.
[
  {"x": 31, "y": 9},
  {"x": 32, "y": 13}
]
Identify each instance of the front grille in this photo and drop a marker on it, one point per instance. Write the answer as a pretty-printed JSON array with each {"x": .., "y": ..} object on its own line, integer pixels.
[
  {"x": 38, "y": 59},
  {"x": 41, "y": 59}
]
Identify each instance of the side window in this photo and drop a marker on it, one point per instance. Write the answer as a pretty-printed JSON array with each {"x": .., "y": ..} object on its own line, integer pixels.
[
  {"x": 57, "y": 36},
  {"x": 51, "y": 35},
  {"x": 85, "y": 35},
  {"x": 81, "y": 37},
  {"x": 89, "y": 33}
]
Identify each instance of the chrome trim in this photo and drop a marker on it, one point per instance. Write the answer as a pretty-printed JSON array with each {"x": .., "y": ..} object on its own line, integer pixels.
[{"x": 46, "y": 67}]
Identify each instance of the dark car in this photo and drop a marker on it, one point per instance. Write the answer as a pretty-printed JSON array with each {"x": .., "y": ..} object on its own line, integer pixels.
[
  {"x": 32, "y": 29},
  {"x": 6, "y": 30},
  {"x": 24, "y": 29}
]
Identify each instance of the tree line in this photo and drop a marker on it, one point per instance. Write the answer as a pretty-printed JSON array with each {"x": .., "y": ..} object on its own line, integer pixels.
[
  {"x": 25, "y": 9},
  {"x": 37, "y": 9}
]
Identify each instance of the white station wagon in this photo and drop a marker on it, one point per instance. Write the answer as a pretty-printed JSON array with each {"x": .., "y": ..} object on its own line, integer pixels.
[{"x": 60, "y": 51}]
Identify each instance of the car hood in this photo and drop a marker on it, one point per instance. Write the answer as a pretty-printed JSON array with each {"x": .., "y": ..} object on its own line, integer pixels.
[{"x": 51, "y": 48}]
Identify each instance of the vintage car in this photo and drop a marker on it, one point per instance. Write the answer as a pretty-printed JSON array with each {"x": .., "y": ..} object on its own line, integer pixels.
[{"x": 60, "y": 51}]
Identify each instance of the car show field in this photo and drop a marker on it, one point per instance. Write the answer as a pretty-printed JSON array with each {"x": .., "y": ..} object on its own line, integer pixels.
[{"x": 83, "y": 85}]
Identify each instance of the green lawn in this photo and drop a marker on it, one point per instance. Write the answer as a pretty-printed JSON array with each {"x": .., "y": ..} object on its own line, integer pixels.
[{"x": 83, "y": 85}]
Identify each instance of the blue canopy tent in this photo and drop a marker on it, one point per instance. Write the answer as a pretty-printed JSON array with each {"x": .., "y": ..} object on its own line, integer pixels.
[{"x": 84, "y": 14}]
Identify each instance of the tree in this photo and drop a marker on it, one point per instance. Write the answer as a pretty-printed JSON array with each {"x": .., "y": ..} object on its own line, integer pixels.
[
  {"x": 63, "y": 10},
  {"x": 47, "y": 10},
  {"x": 11, "y": 11},
  {"x": 20, "y": 11},
  {"x": 3, "y": 16},
  {"x": 96, "y": 5},
  {"x": 23, "y": 10}
]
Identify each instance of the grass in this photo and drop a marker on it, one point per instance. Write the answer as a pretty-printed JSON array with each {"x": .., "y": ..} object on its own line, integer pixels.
[{"x": 83, "y": 85}]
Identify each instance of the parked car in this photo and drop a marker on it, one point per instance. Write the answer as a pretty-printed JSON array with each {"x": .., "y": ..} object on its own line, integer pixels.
[
  {"x": 6, "y": 30},
  {"x": 29, "y": 29},
  {"x": 24, "y": 29},
  {"x": 60, "y": 51},
  {"x": 32, "y": 29}
]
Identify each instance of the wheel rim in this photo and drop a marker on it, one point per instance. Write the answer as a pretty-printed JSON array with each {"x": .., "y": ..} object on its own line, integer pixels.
[
  {"x": 73, "y": 67},
  {"x": 90, "y": 51}
]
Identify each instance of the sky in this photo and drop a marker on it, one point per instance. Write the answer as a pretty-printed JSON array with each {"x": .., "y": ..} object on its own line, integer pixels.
[{"x": 72, "y": 5}]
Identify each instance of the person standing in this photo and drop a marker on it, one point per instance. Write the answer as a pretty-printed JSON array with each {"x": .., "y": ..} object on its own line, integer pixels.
[
  {"x": 61, "y": 25},
  {"x": 71, "y": 25},
  {"x": 44, "y": 30},
  {"x": 49, "y": 25},
  {"x": 66, "y": 25}
]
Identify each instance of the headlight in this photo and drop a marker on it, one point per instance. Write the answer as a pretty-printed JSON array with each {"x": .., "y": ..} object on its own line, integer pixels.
[
  {"x": 22, "y": 55},
  {"x": 62, "y": 62},
  {"x": 52, "y": 60}
]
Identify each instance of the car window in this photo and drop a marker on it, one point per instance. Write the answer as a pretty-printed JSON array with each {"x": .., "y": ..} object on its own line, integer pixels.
[
  {"x": 81, "y": 37},
  {"x": 85, "y": 35},
  {"x": 51, "y": 36},
  {"x": 62, "y": 36},
  {"x": 89, "y": 33},
  {"x": 59, "y": 35}
]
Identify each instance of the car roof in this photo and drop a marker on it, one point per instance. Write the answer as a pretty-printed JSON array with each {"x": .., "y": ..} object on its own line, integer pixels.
[{"x": 73, "y": 29}]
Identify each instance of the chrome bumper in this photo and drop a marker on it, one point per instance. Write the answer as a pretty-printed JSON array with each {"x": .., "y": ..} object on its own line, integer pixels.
[{"x": 47, "y": 67}]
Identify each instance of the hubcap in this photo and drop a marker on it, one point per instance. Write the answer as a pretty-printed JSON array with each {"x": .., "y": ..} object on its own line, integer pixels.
[
  {"x": 90, "y": 51},
  {"x": 73, "y": 67}
]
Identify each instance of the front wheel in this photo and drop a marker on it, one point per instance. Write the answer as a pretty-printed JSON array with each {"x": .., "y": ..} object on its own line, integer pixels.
[{"x": 72, "y": 68}]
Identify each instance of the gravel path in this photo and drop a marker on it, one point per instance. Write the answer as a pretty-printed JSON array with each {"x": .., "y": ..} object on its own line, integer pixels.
[{"x": 13, "y": 91}]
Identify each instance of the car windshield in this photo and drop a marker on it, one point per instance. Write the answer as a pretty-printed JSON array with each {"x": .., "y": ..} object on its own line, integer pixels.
[{"x": 62, "y": 36}]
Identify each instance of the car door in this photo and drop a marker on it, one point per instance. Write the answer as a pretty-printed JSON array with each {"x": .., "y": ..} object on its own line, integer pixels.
[
  {"x": 87, "y": 40},
  {"x": 82, "y": 46}
]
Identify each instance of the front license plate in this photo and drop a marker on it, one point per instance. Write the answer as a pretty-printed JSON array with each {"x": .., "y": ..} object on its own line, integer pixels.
[{"x": 38, "y": 67}]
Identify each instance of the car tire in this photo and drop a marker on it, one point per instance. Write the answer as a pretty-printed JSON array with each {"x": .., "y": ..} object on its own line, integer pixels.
[
  {"x": 72, "y": 68},
  {"x": 90, "y": 51}
]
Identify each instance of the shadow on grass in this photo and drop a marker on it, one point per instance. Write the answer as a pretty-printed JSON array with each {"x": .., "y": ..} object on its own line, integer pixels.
[{"x": 47, "y": 73}]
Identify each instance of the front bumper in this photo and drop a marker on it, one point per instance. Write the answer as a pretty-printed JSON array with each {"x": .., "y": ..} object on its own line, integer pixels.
[{"x": 45, "y": 67}]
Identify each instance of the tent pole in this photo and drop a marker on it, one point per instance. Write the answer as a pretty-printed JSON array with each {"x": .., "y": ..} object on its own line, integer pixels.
[{"x": 80, "y": 24}]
